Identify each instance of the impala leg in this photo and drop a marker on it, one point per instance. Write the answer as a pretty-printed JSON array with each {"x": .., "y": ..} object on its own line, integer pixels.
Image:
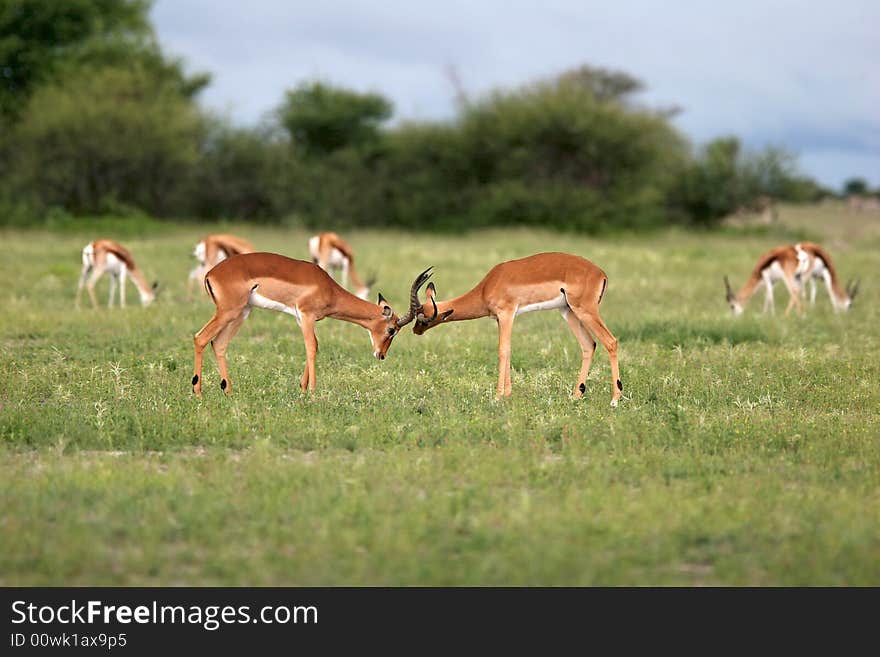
[
  {"x": 84, "y": 274},
  {"x": 812, "y": 290},
  {"x": 307, "y": 324},
  {"x": 208, "y": 332},
  {"x": 597, "y": 327},
  {"x": 219, "y": 345},
  {"x": 123, "y": 274},
  {"x": 90, "y": 285},
  {"x": 588, "y": 348},
  {"x": 114, "y": 280},
  {"x": 196, "y": 275},
  {"x": 505, "y": 330},
  {"x": 794, "y": 299},
  {"x": 769, "y": 306}
]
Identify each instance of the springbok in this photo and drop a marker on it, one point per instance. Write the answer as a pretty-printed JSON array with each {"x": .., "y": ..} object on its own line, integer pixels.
[
  {"x": 298, "y": 288},
  {"x": 333, "y": 254},
  {"x": 106, "y": 256},
  {"x": 211, "y": 250},
  {"x": 821, "y": 267},
  {"x": 790, "y": 264},
  {"x": 568, "y": 283}
]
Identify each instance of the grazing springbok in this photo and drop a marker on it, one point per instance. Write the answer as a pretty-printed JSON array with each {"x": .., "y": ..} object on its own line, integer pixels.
[
  {"x": 822, "y": 268},
  {"x": 790, "y": 264},
  {"x": 568, "y": 283},
  {"x": 106, "y": 256},
  {"x": 212, "y": 250},
  {"x": 333, "y": 254},
  {"x": 298, "y": 288}
]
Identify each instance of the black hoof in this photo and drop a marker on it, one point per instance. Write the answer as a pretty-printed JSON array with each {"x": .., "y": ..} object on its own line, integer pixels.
[
  {"x": 195, "y": 379},
  {"x": 223, "y": 384}
]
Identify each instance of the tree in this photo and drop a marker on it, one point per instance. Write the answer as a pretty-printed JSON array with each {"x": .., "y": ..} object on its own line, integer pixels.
[
  {"x": 322, "y": 119},
  {"x": 115, "y": 135},
  {"x": 855, "y": 187},
  {"x": 37, "y": 36}
]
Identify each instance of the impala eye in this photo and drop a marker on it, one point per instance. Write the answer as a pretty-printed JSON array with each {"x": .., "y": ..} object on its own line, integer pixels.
[{"x": 391, "y": 331}]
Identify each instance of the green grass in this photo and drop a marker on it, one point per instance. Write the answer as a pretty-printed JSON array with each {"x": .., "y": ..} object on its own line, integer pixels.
[{"x": 747, "y": 452}]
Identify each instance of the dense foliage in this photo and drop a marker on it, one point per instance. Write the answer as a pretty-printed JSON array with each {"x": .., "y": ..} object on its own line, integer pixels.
[{"x": 97, "y": 119}]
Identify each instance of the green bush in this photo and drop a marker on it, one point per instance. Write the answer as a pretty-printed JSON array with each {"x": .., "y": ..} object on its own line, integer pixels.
[{"x": 107, "y": 136}]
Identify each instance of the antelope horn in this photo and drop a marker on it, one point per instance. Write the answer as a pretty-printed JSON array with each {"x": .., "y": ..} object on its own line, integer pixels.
[
  {"x": 414, "y": 303},
  {"x": 730, "y": 294},
  {"x": 855, "y": 290},
  {"x": 420, "y": 317}
]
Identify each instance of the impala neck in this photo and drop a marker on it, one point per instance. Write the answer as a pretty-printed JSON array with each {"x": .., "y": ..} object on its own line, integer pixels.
[
  {"x": 350, "y": 308},
  {"x": 469, "y": 305},
  {"x": 748, "y": 290},
  {"x": 141, "y": 284}
]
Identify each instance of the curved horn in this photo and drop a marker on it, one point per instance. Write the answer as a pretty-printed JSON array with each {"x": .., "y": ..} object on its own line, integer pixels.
[
  {"x": 730, "y": 294},
  {"x": 855, "y": 290},
  {"x": 414, "y": 304},
  {"x": 422, "y": 319}
]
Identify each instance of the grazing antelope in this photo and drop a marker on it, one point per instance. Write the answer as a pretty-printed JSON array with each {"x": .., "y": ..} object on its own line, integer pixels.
[
  {"x": 790, "y": 264},
  {"x": 295, "y": 287},
  {"x": 568, "y": 283},
  {"x": 211, "y": 250},
  {"x": 821, "y": 267},
  {"x": 106, "y": 256},
  {"x": 333, "y": 254}
]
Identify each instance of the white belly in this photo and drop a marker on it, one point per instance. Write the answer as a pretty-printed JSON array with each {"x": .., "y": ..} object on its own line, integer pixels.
[
  {"x": 259, "y": 301},
  {"x": 774, "y": 272},
  {"x": 113, "y": 265},
  {"x": 557, "y": 302}
]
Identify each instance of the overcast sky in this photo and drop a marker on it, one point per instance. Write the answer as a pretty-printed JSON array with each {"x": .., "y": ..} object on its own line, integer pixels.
[{"x": 803, "y": 74}]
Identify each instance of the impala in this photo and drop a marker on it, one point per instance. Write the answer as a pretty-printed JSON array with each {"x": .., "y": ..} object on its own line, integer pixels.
[
  {"x": 821, "y": 267},
  {"x": 790, "y": 264},
  {"x": 568, "y": 283},
  {"x": 298, "y": 288},
  {"x": 106, "y": 256},
  {"x": 333, "y": 254},
  {"x": 212, "y": 250}
]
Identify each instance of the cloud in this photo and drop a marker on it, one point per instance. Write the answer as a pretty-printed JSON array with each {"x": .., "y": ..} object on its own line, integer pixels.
[{"x": 798, "y": 74}]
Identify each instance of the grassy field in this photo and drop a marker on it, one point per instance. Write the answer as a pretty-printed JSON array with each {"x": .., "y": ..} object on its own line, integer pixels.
[{"x": 747, "y": 450}]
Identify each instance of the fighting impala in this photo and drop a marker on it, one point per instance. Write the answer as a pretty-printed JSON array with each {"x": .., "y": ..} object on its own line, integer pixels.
[
  {"x": 333, "y": 254},
  {"x": 298, "y": 288},
  {"x": 212, "y": 250},
  {"x": 568, "y": 283},
  {"x": 108, "y": 257},
  {"x": 791, "y": 264}
]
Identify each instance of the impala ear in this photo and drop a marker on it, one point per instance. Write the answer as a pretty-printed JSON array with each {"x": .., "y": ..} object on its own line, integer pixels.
[
  {"x": 446, "y": 314},
  {"x": 430, "y": 291},
  {"x": 381, "y": 299},
  {"x": 387, "y": 312}
]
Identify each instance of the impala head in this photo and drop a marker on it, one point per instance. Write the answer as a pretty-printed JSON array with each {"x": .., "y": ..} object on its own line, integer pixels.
[
  {"x": 149, "y": 296},
  {"x": 426, "y": 315},
  {"x": 735, "y": 306},
  {"x": 383, "y": 329}
]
